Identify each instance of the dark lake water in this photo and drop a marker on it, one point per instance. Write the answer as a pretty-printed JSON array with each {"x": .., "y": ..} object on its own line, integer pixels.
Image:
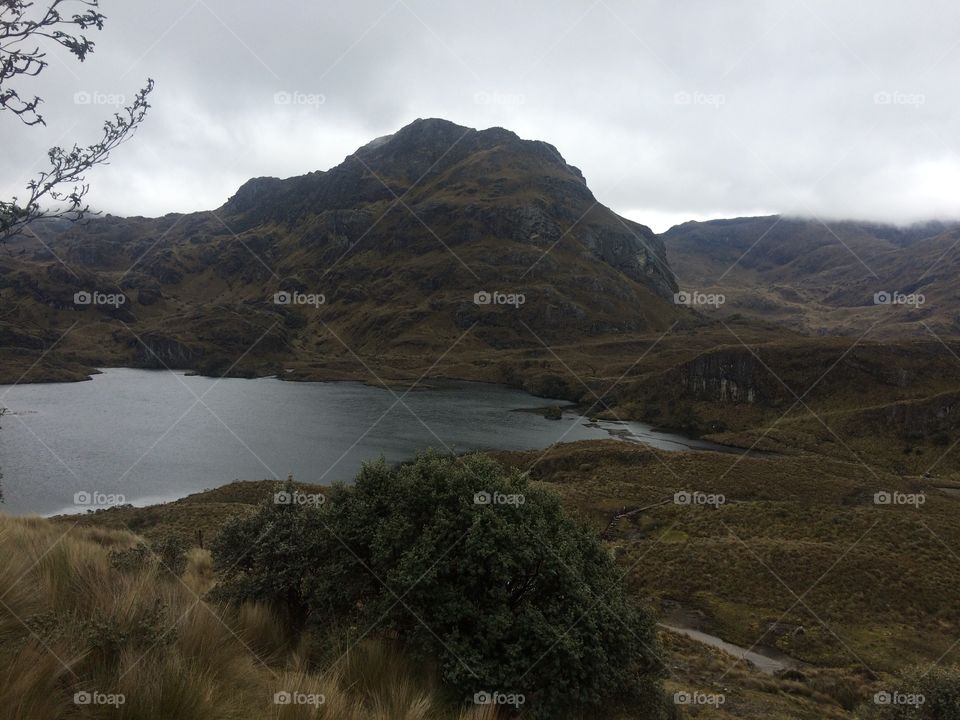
[{"x": 151, "y": 436}]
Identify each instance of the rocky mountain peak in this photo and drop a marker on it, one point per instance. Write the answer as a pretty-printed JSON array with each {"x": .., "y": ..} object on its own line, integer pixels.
[
  {"x": 433, "y": 144},
  {"x": 505, "y": 205}
]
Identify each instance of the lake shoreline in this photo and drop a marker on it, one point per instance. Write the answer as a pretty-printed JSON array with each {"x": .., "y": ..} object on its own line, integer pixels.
[
  {"x": 135, "y": 435},
  {"x": 394, "y": 385}
]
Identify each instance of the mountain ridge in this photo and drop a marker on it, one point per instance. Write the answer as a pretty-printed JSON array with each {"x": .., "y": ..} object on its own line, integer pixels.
[
  {"x": 825, "y": 277},
  {"x": 400, "y": 239}
]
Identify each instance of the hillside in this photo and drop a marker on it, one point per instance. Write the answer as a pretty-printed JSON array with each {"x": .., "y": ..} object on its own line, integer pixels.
[
  {"x": 878, "y": 600},
  {"x": 384, "y": 254},
  {"x": 822, "y": 278}
]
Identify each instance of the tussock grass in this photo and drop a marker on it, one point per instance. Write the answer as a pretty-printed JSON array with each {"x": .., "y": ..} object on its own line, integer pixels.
[
  {"x": 199, "y": 574},
  {"x": 33, "y": 680},
  {"x": 72, "y": 620},
  {"x": 880, "y": 581}
]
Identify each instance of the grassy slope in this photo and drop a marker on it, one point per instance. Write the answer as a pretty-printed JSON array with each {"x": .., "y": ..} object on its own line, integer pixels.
[
  {"x": 876, "y": 584},
  {"x": 71, "y": 622},
  {"x": 879, "y": 581}
]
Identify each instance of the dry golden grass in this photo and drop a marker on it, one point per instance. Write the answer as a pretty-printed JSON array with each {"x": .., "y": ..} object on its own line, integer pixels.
[{"x": 71, "y": 622}]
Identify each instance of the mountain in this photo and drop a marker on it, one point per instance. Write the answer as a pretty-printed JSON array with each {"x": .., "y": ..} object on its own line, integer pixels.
[
  {"x": 418, "y": 238},
  {"x": 442, "y": 251},
  {"x": 825, "y": 277}
]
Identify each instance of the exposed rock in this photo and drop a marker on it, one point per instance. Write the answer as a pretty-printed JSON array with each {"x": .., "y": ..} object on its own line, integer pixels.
[
  {"x": 729, "y": 376},
  {"x": 154, "y": 351}
]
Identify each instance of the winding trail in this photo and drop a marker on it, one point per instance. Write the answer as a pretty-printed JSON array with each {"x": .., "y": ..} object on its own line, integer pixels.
[{"x": 764, "y": 659}]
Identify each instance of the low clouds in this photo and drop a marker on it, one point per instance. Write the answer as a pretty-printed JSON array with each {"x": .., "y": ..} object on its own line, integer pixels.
[{"x": 672, "y": 111}]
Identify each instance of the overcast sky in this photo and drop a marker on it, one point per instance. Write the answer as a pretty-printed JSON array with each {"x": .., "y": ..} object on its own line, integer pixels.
[{"x": 673, "y": 111}]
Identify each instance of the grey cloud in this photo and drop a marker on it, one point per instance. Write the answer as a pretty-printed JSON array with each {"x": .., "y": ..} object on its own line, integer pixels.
[{"x": 671, "y": 110}]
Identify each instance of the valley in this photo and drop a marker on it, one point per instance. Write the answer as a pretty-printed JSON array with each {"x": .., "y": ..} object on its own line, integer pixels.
[
  {"x": 411, "y": 360},
  {"x": 440, "y": 257}
]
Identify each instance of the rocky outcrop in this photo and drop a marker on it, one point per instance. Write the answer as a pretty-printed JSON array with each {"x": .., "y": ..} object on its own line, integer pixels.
[
  {"x": 253, "y": 193},
  {"x": 725, "y": 376},
  {"x": 919, "y": 418},
  {"x": 157, "y": 351},
  {"x": 635, "y": 251}
]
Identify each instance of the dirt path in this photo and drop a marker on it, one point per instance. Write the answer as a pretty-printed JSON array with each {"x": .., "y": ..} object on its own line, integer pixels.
[{"x": 766, "y": 660}]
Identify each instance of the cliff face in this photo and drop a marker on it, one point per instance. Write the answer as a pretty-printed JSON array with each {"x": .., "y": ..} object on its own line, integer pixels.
[
  {"x": 158, "y": 352},
  {"x": 921, "y": 418},
  {"x": 769, "y": 374},
  {"x": 724, "y": 377}
]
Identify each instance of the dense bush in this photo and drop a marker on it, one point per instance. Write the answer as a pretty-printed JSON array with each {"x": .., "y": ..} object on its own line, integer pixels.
[
  {"x": 466, "y": 564},
  {"x": 131, "y": 559},
  {"x": 939, "y": 689},
  {"x": 169, "y": 551}
]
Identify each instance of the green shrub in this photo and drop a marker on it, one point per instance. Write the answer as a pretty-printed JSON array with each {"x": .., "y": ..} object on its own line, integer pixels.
[
  {"x": 172, "y": 553},
  {"x": 468, "y": 565},
  {"x": 108, "y": 637},
  {"x": 938, "y": 687},
  {"x": 268, "y": 556},
  {"x": 131, "y": 559}
]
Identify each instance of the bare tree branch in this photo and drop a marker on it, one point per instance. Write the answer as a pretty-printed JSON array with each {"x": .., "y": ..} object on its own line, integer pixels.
[
  {"x": 67, "y": 168},
  {"x": 20, "y": 55},
  {"x": 24, "y": 28}
]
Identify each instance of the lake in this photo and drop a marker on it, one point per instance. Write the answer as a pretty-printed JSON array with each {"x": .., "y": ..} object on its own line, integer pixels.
[{"x": 155, "y": 435}]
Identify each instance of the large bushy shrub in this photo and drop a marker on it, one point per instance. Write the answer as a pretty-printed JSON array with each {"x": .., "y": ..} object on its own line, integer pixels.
[
  {"x": 922, "y": 694},
  {"x": 269, "y": 556},
  {"x": 467, "y": 564},
  {"x": 169, "y": 552}
]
